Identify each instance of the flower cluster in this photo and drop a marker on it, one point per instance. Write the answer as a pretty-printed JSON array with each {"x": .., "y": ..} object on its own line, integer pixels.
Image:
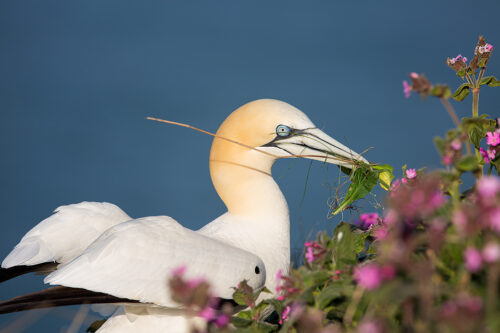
[
  {"x": 195, "y": 296},
  {"x": 419, "y": 83},
  {"x": 370, "y": 276},
  {"x": 493, "y": 141},
  {"x": 482, "y": 209},
  {"x": 458, "y": 63},
  {"x": 287, "y": 286}
]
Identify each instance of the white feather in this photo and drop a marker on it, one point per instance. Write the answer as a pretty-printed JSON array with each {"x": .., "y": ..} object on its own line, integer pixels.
[
  {"x": 64, "y": 235},
  {"x": 135, "y": 260}
]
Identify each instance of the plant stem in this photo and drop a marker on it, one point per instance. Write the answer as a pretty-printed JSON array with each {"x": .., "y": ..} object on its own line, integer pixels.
[
  {"x": 351, "y": 309},
  {"x": 451, "y": 111},
  {"x": 467, "y": 76},
  {"x": 481, "y": 73},
  {"x": 475, "y": 102},
  {"x": 454, "y": 117}
]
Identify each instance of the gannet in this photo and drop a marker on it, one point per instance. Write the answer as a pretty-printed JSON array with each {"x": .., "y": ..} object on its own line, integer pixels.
[{"x": 132, "y": 258}]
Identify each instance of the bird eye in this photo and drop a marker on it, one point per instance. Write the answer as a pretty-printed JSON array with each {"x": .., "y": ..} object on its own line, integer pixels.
[
  {"x": 282, "y": 130},
  {"x": 257, "y": 270}
]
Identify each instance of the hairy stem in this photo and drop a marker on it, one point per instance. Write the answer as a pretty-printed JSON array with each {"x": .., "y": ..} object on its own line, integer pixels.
[
  {"x": 454, "y": 117},
  {"x": 481, "y": 73}
]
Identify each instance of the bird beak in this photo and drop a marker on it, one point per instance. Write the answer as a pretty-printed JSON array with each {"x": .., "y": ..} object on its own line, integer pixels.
[{"x": 312, "y": 143}]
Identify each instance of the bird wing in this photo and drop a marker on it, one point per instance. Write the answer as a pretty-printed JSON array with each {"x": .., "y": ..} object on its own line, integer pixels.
[
  {"x": 64, "y": 235},
  {"x": 135, "y": 260}
]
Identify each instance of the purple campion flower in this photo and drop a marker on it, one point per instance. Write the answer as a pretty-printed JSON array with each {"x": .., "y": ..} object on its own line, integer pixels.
[
  {"x": 411, "y": 173},
  {"x": 473, "y": 259},
  {"x": 488, "y": 187},
  {"x": 456, "y": 144},
  {"x": 278, "y": 281},
  {"x": 309, "y": 255},
  {"x": 207, "y": 313},
  {"x": 483, "y": 49},
  {"x": 491, "y": 252},
  {"x": 406, "y": 89},
  {"x": 488, "y": 155},
  {"x": 368, "y": 276},
  {"x": 285, "y": 315},
  {"x": 457, "y": 58},
  {"x": 369, "y": 219},
  {"x": 222, "y": 320},
  {"x": 446, "y": 160},
  {"x": 493, "y": 138}
]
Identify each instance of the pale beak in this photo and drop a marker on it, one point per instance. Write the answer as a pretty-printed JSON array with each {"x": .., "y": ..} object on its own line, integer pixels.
[{"x": 312, "y": 143}]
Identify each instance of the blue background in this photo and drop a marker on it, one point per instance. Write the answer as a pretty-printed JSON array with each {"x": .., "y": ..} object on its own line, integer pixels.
[{"x": 77, "y": 80}]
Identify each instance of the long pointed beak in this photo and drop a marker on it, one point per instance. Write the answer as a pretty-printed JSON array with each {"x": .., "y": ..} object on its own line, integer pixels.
[{"x": 314, "y": 144}]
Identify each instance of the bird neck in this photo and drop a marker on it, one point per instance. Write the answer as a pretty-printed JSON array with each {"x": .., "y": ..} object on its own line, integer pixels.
[{"x": 246, "y": 186}]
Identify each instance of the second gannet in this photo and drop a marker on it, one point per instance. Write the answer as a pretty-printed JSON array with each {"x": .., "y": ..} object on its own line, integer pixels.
[{"x": 131, "y": 259}]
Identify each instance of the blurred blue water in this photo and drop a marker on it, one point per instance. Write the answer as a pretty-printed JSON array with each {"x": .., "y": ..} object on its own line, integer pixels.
[{"x": 77, "y": 80}]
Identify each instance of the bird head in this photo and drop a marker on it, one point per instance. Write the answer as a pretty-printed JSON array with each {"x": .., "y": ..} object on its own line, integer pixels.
[{"x": 260, "y": 132}]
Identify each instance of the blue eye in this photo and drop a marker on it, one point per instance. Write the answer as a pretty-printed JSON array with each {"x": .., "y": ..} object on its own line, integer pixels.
[{"x": 282, "y": 130}]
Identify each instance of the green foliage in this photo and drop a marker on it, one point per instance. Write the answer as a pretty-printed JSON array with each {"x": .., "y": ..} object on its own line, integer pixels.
[
  {"x": 490, "y": 80},
  {"x": 462, "y": 92},
  {"x": 363, "y": 179}
]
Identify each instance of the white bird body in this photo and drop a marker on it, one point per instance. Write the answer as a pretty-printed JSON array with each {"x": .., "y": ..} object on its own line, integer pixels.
[{"x": 134, "y": 259}]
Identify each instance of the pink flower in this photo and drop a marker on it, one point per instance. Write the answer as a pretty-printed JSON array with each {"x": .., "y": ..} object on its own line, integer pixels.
[
  {"x": 414, "y": 75},
  {"x": 369, "y": 326},
  {"x": 488, "y": 155},
  {"x": 456, "y": 144},
  {"x": 437, "y": 200},
  {"x": 446, "y": 160},
  {"x": 207, "y": 313},
  {"x": 483, "y": 49},
  {"x": 395, "y": 185},
  {"x": 411, "y": 173},
  {"x": 179, "y": 271},
  {"x": 404, "y": 180},
  {"x": 278, "y": 281},
  {"x": 488, "y": 186},
  {"x": 369, "y": 218},
  {"x": 493, "y": 139},
  {"x": 473, "y": 260},
  {"x": 368, "y": 276},
  {"x": 406, "y": 89},
  {"x": 458, "y": 57},
  {"x": 222, "y": 320},
  {"x": 387, "y": 272},
  {"x": 285, "y": 315},
  {"x": 309, "y": 255},
  {"x": 380, "y": 233},
  {"x": 491, "y": 252}
]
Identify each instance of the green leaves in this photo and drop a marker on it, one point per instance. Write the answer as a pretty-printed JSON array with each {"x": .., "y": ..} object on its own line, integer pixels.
[
  {"x": 476, "y": 128},
  {"x": 490, "y": 80},
  {"x": 468, "y": 163},
  {"x": 363, "y": 180},
  {"x": 462, "y": 92}
]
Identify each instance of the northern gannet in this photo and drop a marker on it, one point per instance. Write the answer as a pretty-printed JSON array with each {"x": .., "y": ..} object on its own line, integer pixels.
[{"x": 100, "y": 248}]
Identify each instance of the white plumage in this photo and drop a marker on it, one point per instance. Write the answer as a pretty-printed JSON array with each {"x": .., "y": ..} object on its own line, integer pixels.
[
  {"x": 135, "y": 259},
  {"x": 64, "y": 235}
]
